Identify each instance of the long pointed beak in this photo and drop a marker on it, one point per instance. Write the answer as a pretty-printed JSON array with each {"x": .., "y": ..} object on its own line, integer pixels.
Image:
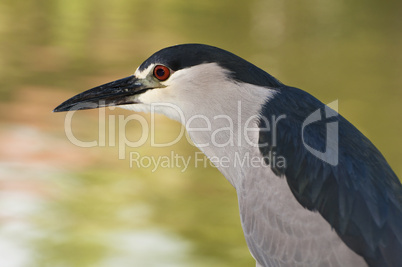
[{"x": 120, "y": 92}]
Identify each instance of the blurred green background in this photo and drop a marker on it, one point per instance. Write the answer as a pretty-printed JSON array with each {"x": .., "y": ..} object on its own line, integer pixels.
[{"x": 63, "y": 205}]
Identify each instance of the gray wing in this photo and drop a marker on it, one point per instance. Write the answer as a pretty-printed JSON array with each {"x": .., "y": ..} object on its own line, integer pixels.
[
  {"x": 361, "y": 197},
  {"x": 280, "y": 232}
]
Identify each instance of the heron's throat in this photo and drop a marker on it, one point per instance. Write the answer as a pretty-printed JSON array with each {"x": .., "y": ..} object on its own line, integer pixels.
[{"x": 228, "y": 133}]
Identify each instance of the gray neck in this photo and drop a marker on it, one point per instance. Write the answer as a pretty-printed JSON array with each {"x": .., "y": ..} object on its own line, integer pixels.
[{"x": 232, "y": 136}]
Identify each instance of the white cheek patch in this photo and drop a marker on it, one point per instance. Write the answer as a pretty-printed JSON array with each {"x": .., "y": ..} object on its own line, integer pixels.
[{"x": 144, "y": 73}]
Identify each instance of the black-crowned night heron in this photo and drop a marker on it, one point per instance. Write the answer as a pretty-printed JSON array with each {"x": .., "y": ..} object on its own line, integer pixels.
[{"x": 329, "y": 199}]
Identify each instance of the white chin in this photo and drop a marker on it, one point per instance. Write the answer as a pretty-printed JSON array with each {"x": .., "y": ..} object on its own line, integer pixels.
[
  {"x": 171, "y": 111},
  {"x": 136, "y": 107}
]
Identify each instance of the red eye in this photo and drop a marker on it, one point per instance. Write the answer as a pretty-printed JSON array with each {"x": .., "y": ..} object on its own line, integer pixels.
[{"x": 161, "y": 72}]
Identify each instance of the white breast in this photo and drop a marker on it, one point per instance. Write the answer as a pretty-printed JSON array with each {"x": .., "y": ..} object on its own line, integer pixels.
[{"x": 280, "y": 232}]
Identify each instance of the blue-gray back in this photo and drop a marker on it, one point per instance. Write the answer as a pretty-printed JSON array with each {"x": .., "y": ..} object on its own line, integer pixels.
[{"x": 360, "y": 197}]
